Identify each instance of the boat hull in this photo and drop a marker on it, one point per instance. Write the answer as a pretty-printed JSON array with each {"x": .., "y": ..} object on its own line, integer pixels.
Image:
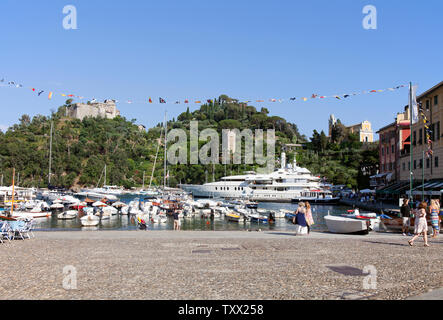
[
  {"x": 344, "y": 225},
  {"x": 31, "y": 215}
]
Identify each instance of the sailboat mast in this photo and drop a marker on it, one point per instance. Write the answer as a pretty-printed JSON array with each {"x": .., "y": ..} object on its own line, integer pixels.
[
  {"x": 143, "y": 180},
  {"x": 166, "y": 147},
  {"x": 155, "y": 160},
  {"x": 104, "y": 181},
  {"x": 13, "y": 192},
  {"x": 411, "y": 175},
  {"x": 50, "y": 155}
]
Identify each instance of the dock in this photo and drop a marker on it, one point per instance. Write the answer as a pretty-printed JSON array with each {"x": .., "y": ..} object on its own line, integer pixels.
[{"x": 221, "y": 265}]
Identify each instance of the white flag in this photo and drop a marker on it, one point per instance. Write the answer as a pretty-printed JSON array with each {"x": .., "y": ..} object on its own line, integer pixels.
[{"x": 413, "y": 103}]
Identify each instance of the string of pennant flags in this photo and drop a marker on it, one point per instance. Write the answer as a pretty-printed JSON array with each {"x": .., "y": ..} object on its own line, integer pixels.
[
  {"x": 428, "y": 130},
  {"x": 51, "y": 94}
]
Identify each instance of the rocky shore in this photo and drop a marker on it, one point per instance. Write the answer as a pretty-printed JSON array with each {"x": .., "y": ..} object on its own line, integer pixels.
[{"x": 218, "y": 265}]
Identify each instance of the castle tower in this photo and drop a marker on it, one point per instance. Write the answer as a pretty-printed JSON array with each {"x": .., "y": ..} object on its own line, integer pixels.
[{"x": 332, "y": 122}]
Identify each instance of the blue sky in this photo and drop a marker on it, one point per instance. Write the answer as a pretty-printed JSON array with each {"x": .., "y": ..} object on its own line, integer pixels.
[{"x": 199, "y": 49}]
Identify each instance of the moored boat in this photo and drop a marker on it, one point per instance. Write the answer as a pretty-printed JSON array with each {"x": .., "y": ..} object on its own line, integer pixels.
[
  {"x": 344, "y": 225},
  {"x": 90, "y": 220},
  {"x": 231, "y": 216},
  {"x": 68, "y": 215}
]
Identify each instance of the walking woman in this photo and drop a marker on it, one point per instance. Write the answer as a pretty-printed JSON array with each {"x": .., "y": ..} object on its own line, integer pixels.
[
  {"x": 301, "y": 227},
  {"x": 435, "y": 218},
  {"x": 309, "y": 219},
  {"x": 421, "y": 225}
]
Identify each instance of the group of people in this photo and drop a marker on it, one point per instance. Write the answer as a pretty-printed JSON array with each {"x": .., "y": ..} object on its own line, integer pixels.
[
  {"x": 303, "y": 219},
  {"x": 421, "y": 223}
]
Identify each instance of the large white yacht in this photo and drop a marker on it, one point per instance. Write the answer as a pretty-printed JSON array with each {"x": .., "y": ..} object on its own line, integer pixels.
[{"x": 289, "y": 183}]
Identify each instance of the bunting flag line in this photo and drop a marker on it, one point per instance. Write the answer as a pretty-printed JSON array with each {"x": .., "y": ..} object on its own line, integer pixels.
[
  {"x": 427, "y": 130},
  {"x": 199, "y": 101}
]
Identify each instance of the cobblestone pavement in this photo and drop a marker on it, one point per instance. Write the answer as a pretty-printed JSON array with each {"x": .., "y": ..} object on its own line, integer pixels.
[{"x": 217, "y": 265}]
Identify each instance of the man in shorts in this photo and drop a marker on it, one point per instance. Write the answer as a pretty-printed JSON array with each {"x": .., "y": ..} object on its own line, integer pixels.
[{"x": 405, "y": 211}]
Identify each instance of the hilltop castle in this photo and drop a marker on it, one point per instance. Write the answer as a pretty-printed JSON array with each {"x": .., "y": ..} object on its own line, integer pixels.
[{"x": 106, "y": 109}]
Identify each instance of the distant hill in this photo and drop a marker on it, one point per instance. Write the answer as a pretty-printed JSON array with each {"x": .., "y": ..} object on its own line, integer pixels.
[{"x": 82, "y": 148}]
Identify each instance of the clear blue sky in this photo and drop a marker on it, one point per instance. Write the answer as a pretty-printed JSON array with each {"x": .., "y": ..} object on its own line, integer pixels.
[{"x": 200, "y": 49}]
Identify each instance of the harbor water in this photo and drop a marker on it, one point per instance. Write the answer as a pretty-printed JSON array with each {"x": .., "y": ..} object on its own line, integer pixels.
[{"x": 122, "y": 222}]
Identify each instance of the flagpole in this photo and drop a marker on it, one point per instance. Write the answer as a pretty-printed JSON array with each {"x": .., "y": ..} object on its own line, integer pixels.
[
  {"x": 423, "y": 176},
  {"x": 411, "y": 148},
  {"x": 165, "y": 163}
]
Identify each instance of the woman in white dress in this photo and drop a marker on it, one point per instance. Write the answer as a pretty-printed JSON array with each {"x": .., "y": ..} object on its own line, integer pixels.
[{"x": 421, "y": 224}]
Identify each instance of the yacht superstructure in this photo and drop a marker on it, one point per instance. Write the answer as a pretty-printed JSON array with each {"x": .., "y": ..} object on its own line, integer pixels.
[{"x": 285, "y": 184}]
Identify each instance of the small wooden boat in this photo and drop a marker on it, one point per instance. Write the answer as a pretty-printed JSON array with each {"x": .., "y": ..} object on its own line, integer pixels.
[
  {"x": 4, "y": 218},
  {"x": 345, "y": 225},
  {"x": 393, "y": 223}
]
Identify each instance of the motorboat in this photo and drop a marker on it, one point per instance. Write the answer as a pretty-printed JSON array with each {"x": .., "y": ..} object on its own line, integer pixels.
[
  {"x": 57, "y": 208},
  {"x": 231, "y": 216},
  {"x": 257, "y": 218},
  {"x": 279, "y": 214},
  {"x": 68, "y": 215},
  {"x": 89, "y": 220},
  {"x": 251, "y": 204},
  {"x": 344, "y": 225}
]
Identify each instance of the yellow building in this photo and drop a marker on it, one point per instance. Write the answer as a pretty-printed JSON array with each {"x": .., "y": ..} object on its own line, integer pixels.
[
  {"x": 364, "y": 129},
  {"x": 429, "y": 166}
]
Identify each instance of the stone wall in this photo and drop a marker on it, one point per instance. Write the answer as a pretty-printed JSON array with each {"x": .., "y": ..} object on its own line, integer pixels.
[{"x": 106, "y": 109}]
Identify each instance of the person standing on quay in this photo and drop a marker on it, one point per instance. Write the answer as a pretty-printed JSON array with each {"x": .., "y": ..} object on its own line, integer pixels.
[
  {"x": 309, "y": 219},
  {"x": 421, "y": 224},
  {"x": 435, "y": 218},
  {"x": 176, "y": 221},
  {"x": 405, "y": 211}
]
